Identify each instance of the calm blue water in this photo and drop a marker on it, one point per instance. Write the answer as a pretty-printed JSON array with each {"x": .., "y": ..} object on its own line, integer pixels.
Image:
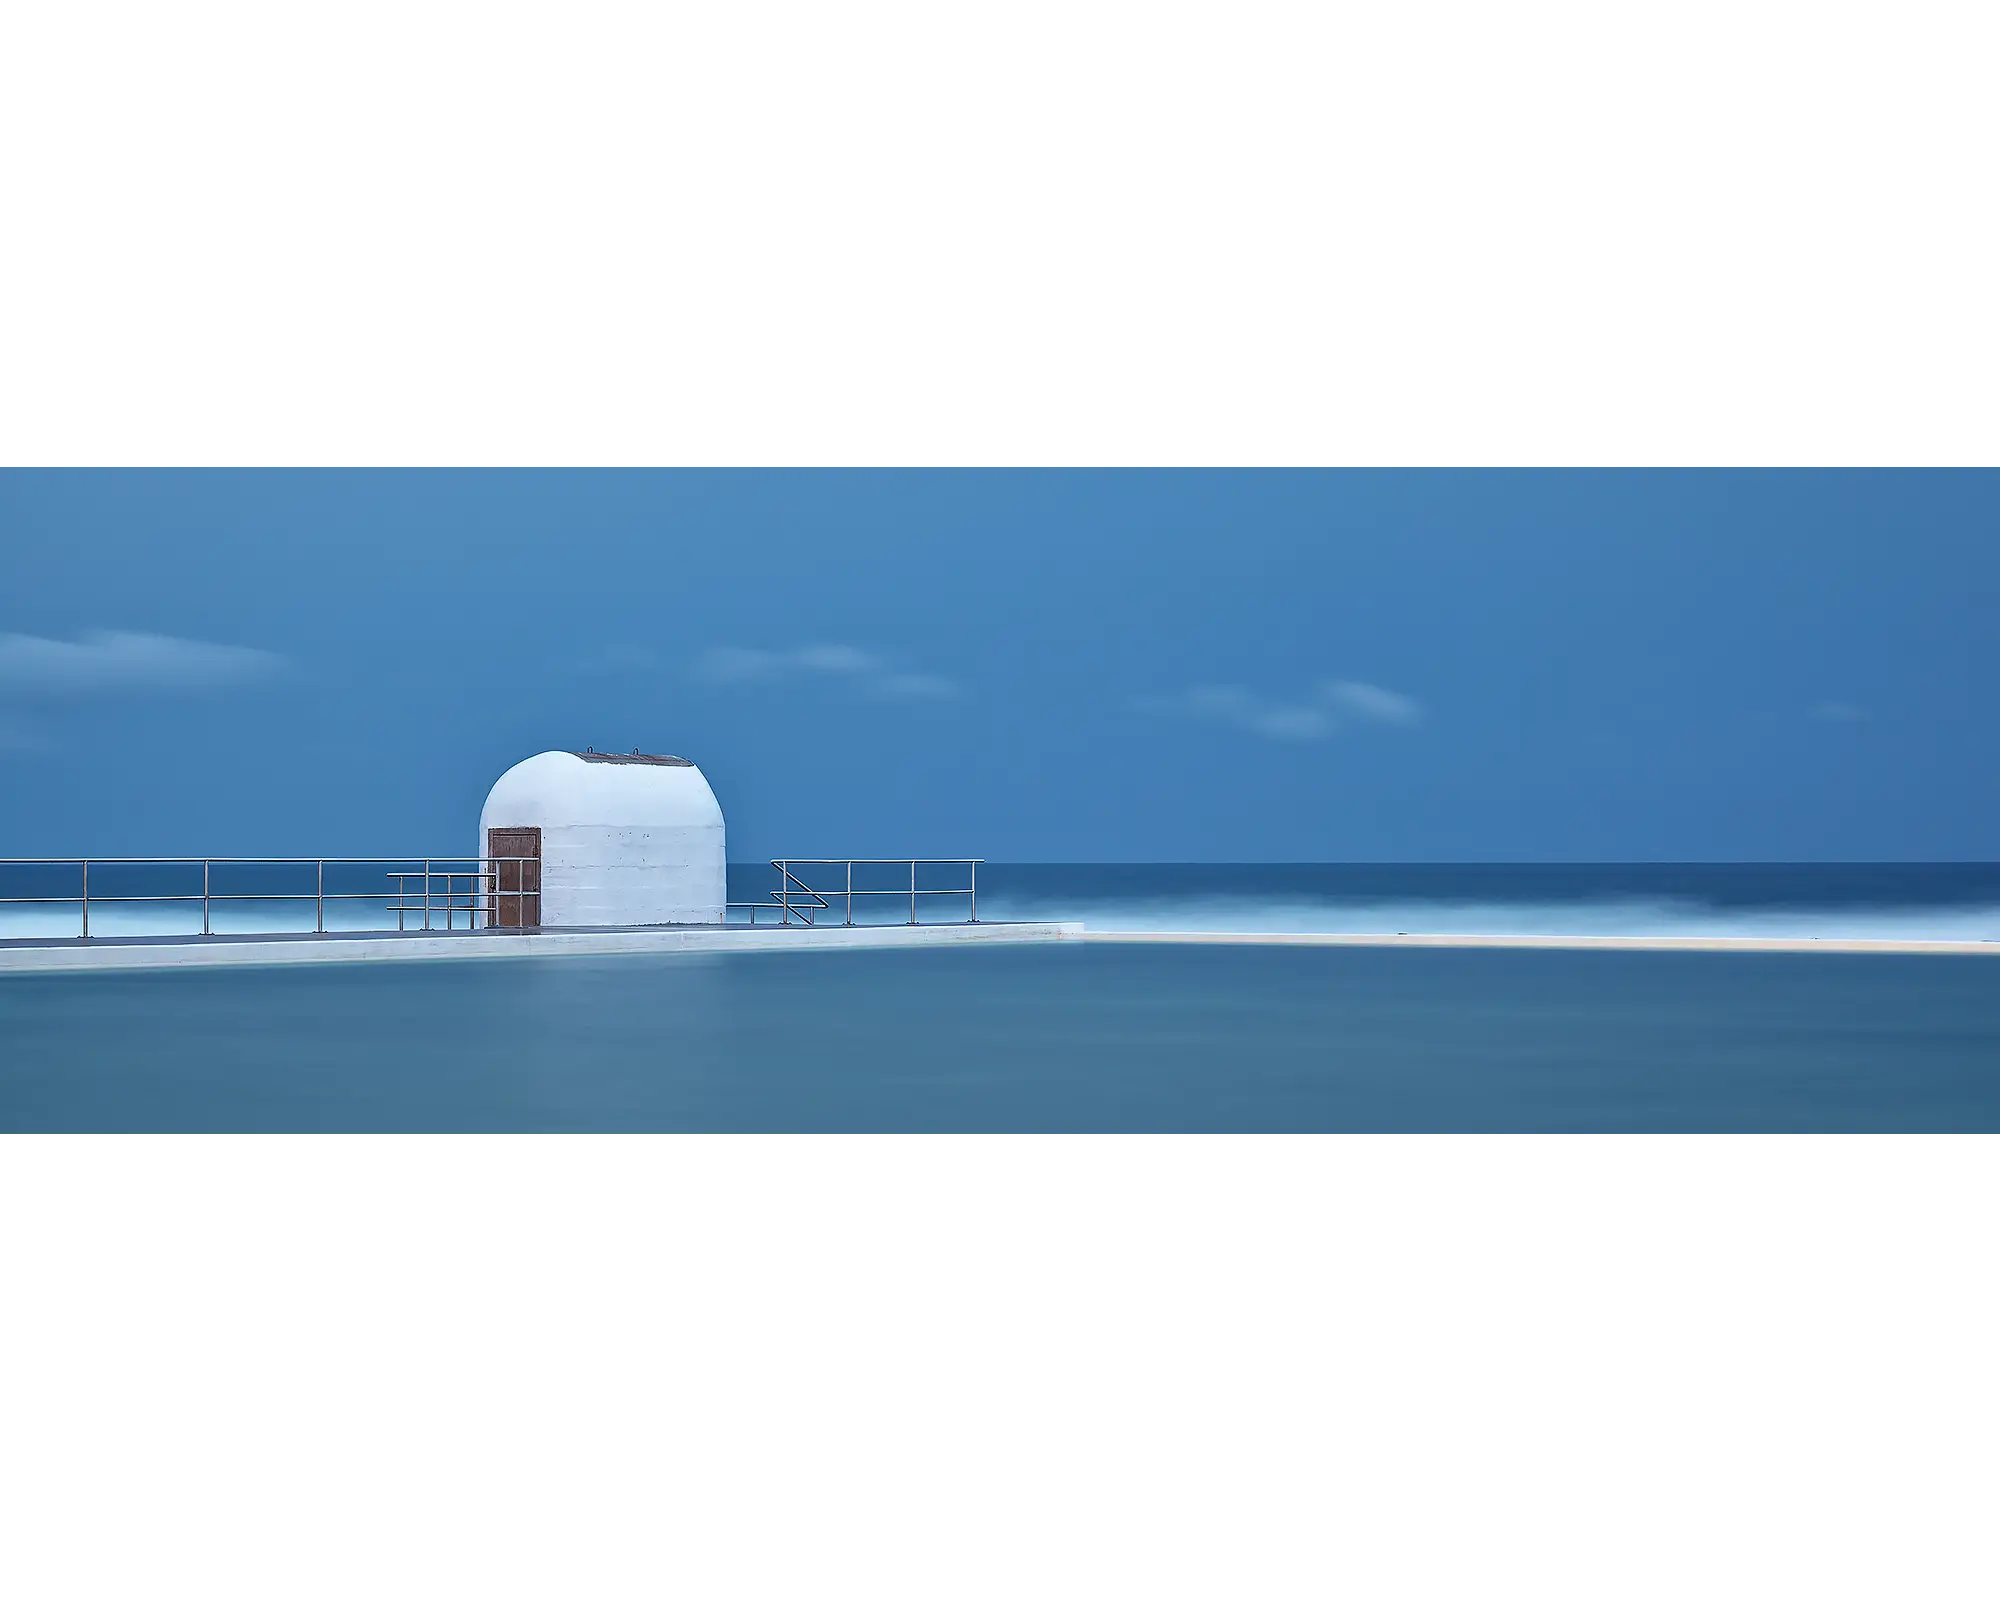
[{"x": 1095, "y": 1037}]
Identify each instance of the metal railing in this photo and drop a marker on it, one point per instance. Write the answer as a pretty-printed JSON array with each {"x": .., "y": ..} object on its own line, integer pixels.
[
  {"x": 473, "y": 891},
  {"x": 483, "y": 894},
  {"x": 796, "y": 900},
  {"x": 435, "y": 886}
]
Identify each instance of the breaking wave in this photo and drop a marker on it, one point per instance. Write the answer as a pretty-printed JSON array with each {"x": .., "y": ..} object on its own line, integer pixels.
[{"x": 1654, "y": 918}]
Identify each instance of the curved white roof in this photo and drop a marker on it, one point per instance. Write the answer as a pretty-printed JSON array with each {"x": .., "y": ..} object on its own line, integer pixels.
[{"x": 566, "y": 788}]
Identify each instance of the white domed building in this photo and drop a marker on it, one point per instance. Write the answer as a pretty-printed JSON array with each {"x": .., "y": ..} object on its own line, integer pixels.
[{"x": 600, "y": 841}]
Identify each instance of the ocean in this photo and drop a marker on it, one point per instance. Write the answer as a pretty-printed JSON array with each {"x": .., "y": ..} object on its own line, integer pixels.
[{"x": 1098, "y": 1037}]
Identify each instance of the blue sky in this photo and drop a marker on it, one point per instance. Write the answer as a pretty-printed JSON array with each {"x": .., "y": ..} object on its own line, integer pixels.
[{"x": 1020, "y": 665}]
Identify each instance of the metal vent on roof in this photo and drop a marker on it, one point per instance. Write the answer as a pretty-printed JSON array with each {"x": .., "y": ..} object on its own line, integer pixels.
[{"x": 635, "y": 759}]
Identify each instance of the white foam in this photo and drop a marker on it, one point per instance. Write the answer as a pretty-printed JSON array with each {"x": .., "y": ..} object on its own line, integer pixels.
[{"x": 1632, "y": 917}]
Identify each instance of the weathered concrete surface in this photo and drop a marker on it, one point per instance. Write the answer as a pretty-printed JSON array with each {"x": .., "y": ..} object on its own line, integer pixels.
[{"x": 302, "y": 949}]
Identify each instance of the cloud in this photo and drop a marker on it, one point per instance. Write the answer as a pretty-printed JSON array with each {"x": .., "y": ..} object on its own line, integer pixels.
[
  {"x": 870, "y": 674},
  {"x": 1323, "y": 713},
  {"x": 106, "y": 663},
  {"x": 1373, "y": 704},
  {"x": 1839, "y": 711},
  {"x": 1245, "y": 710},
  {"x": 837, "y": 658},
  {"x": 727, "y": 664}
]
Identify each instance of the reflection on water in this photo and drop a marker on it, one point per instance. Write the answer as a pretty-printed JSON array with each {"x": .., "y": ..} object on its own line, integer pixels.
[{"x": 1089, "y": 1037}]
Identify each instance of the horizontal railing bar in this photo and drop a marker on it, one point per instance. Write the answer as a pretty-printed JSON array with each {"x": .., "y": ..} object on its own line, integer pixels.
[
  {"x": 196, "y": 899},
  {"x": 441, "y": 862},
  {"x": 841, "y": 894},
  {"x": 264, "y": 861}
]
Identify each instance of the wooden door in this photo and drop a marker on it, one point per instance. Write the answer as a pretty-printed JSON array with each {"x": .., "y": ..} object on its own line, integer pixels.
[{"x": 517, "y": 885}]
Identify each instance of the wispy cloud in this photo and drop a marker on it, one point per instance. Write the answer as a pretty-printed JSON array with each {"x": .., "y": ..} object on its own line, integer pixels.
[
  {"x": 1839, "y": 711},
  {"x": 1330, "y": 707},
  {"x": 107, "y": 663},
  {"x": 869, "y": 674},
  {"x": 1370, "y": 703}
]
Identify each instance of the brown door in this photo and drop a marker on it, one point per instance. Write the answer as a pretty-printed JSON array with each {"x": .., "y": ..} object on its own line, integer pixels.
[{"x": 517, "y": 884}]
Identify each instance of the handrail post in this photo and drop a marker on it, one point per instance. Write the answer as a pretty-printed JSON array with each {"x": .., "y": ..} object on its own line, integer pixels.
[
  {"x": 785, "y": 892},
  {"x": 427, "y": 894},
  {"x": 86, "y": 899},
  {"x": 204, "y": 896},
  {"x": 973, "y": 914},
  {"x": 850, "y": 894},
  {"x": 319, "y": 899},
  {"x": 913, "y": 894}
]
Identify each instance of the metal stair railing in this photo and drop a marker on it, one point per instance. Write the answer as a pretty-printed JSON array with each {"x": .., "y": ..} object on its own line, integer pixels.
[{"x": 795, "y": 897}]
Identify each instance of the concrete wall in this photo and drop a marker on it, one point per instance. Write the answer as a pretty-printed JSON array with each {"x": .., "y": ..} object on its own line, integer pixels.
[{"x": 622, "y": 846}]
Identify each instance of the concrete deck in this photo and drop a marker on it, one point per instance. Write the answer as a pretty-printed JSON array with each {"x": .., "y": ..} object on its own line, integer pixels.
[{"x": 303, "y": 949}]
